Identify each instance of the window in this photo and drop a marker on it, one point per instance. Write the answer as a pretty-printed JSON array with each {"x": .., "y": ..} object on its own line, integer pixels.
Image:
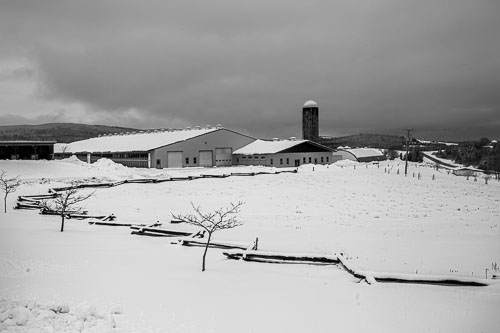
[
  {"x": 281, "y": 161},
  {"x": 310, "y": 160},
  {"x": 287, "y": 161},
  {"x": 194, "y": 160},
  {"x": 262, "y": 157},
  {"x": 237, "y": 160},
  {"x": 315, "y": 161},
  {"x": 304, "y": 160},
  {"x": 271, "y": 161},
  {"x": 187, "y": 160},
  {"x": 243, "y": 157},
  {"x": 327, "y": 159},
  {"x": 322, "y": 159}
]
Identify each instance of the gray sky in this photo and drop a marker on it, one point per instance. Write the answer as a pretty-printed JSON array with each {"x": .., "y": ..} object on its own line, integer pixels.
[{"x": 374, "y": 66}]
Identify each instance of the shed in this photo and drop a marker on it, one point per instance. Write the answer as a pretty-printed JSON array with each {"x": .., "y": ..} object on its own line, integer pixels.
[
  {"x": 27, "y": 150},
  {"x": 166, "y": 148},
  {"x": 283, "y": 153},
  {"x": 466, "y": 171}
]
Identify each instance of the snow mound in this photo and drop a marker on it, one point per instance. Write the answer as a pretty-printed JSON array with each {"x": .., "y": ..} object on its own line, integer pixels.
[
  {"x": 74, "y": 160},
  {"x": 30, "y": 316},
  {"x": 107, "y": 164}
]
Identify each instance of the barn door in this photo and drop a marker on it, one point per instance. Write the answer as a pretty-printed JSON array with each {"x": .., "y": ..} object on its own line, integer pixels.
[
  {"x": 174, "y": 159},
  {"x": 205, "y": 158},
  {"x": 223, "y": 156}
]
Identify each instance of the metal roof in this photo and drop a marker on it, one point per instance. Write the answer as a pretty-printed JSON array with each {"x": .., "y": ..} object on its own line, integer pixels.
[
  {"x": 140, "y": 141},
  {"x": 26, "y": 143},
  {"x": 272, "y": 147},
  {"x": 365, "y": 152}
]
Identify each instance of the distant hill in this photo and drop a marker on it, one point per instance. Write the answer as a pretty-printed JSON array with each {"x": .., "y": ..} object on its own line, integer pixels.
[
  {"x": 60, "y": 132},
  {"x": 366, "y": 140}
]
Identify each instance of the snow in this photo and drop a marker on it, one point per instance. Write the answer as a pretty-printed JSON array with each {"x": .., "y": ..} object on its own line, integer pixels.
[
  {"x": 268, "y": 147},
  {"x": 30, "y": 316},
  {"x": 310, "y": 103},
  {"x": 74, "y": 160},
  {"x": 347, "y": 163},
  {"x": 443, "y": 160},
  {"x": 135, "y": 142},
  {"x": 99, "y": 278},
  {"x": 468, "y": 168}
]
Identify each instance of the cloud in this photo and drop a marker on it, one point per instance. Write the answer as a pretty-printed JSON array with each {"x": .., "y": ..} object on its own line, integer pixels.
[{"x": 373, "y": 65}]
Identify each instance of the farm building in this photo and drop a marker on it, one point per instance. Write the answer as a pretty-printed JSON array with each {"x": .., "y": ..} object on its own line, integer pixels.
[
  {"x": 361, "y": 154},
  {"x": 283, "y": 153},
  {"x": 203, "y": 147},
  {"x": 27, "y": 150},
  {"x": 466, "y": 171}
]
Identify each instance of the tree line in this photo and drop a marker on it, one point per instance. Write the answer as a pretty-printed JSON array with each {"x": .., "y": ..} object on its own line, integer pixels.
[{"x": 482, "y": 154}]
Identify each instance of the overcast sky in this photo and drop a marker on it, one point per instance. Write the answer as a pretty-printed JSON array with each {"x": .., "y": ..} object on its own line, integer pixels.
[{"x": 373, "y": 66}]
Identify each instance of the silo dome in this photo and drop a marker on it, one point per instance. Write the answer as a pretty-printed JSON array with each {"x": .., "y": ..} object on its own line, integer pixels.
[{"x": 310, "y": 104}]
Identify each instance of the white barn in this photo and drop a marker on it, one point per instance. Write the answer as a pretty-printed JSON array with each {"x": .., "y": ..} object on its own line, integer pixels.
[
  {"x": 360, "y": 154},
  {"x": 203, "y": 147},
  {"x": 283, "y": 153}
]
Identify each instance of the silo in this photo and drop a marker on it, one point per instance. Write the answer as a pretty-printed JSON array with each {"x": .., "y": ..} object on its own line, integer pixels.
[{"x": 310, "y": 121}]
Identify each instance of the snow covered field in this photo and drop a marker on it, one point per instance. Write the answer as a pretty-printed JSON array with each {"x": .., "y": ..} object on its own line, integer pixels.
[{"x": 99, "y": 278}]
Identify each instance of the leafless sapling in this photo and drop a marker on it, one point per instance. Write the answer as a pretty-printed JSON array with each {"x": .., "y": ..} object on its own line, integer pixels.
[
  {"x": 66, "y": 201},
  {"x": 220, "y": 219},
  {"x": 8, "y": 185}
]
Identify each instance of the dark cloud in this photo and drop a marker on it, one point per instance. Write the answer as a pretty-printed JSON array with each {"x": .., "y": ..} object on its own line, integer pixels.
[{"x": 373, "y": 65}]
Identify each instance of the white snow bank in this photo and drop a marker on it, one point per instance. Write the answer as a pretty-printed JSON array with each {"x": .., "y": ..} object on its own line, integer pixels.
[
  {"x": 346, "y": 163},
  {"x": 74, "y": 160},
  {"x": 29, "y": 316},
  {"x": 107, "y": 164}
]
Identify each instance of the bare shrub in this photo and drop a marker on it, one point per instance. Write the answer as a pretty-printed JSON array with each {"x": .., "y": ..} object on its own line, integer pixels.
[
  {"x": 8, "y": 185},
  {"x": 220, "y": 219},
  {"x": 66, "y": 202}
]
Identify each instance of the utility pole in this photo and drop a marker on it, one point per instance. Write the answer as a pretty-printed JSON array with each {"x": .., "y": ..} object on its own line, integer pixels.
[{"x": 407, "y": 151}]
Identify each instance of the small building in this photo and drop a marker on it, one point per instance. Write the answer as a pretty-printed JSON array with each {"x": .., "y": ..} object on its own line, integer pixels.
[
  {"x": 466, "y": 171},
  {"x": 283, "y": 153},
  {"x": 361, "y": 154},
  {"x": 165, "y": 148},
  {"x": 27, "y": 150}
]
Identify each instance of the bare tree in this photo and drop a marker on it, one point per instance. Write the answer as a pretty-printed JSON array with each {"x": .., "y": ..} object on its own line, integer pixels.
[
  {"x": 220, "y": 219},
  {"x": 8, "y": 185},
  {"x": 66, "y": 202}
]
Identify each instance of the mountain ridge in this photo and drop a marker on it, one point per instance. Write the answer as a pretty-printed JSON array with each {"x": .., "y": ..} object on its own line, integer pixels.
[{"x": 59, "y": 132}]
